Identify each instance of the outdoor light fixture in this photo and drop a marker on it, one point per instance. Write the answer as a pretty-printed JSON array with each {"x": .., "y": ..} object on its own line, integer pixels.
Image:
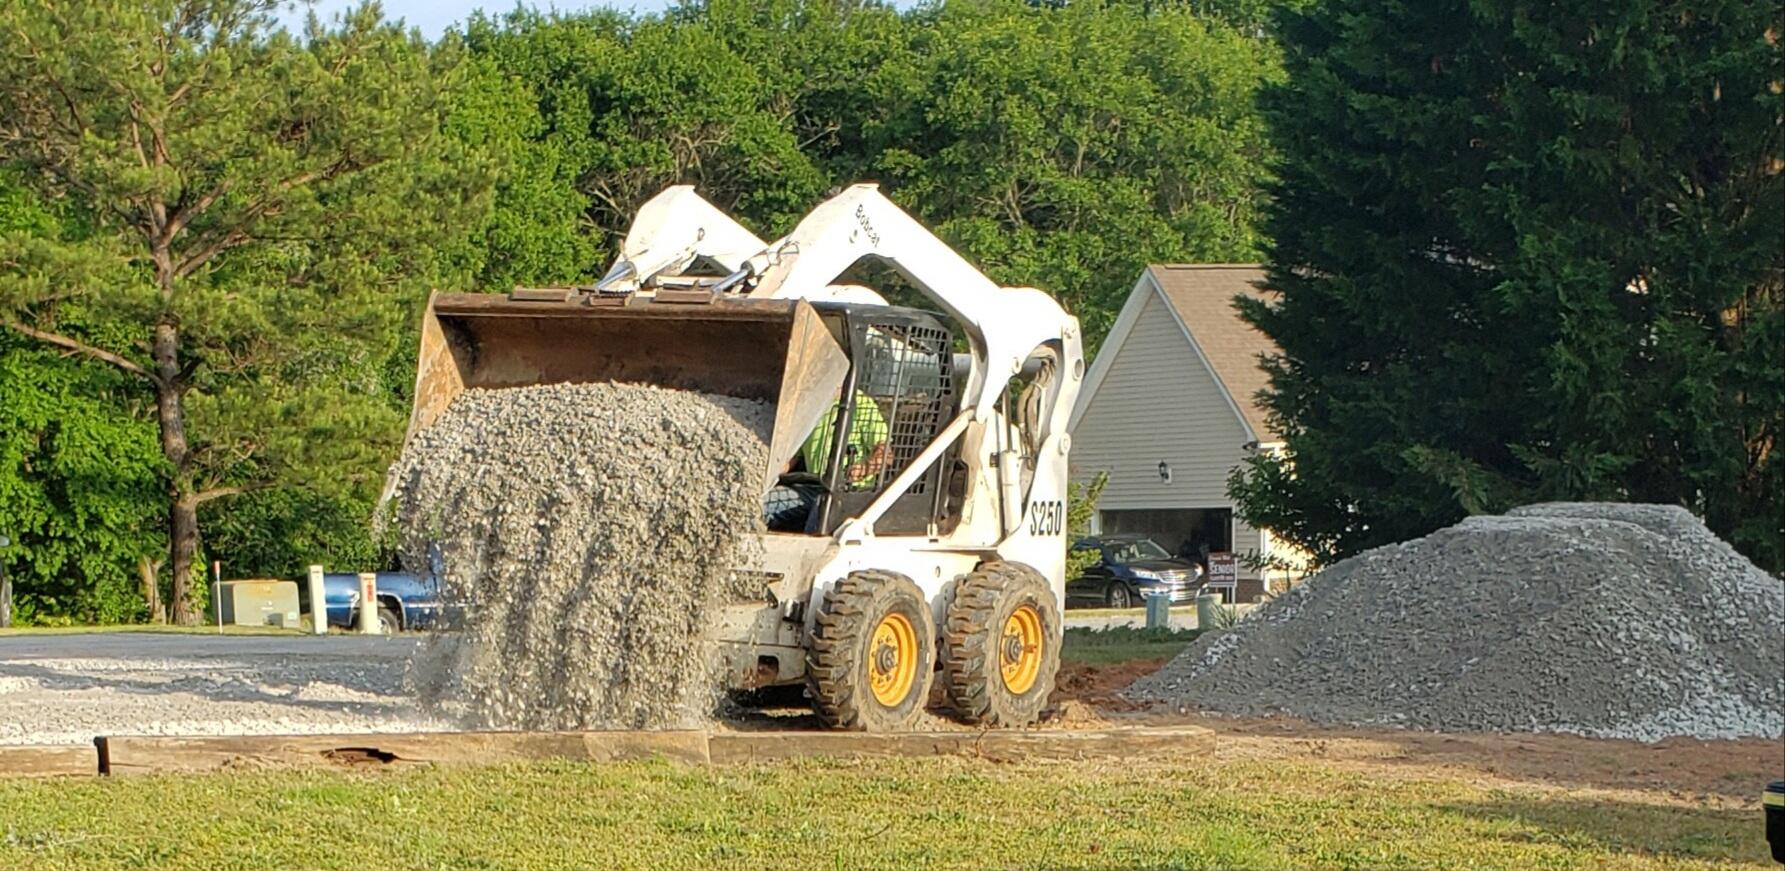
[{"x": 1164, "y": 472}]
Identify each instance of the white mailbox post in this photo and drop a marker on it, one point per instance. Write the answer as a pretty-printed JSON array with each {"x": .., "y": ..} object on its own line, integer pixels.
[
  {"x": 368, "y": 603},
  {"x": 318, "y": 603}
]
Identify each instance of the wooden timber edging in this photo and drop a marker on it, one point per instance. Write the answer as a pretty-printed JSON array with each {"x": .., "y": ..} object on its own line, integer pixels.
[
  {"x": 153, "y": 754},
  {"x": 158, "y": 755},
  {"x": 48, "y": 760}
]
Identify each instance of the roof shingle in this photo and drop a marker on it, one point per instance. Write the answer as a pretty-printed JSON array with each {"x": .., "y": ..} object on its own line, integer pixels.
[{"x": 1202, "y": 295}]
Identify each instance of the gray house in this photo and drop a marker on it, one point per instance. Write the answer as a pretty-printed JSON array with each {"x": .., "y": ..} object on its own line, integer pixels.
[{"x": 1168, "y": 410}]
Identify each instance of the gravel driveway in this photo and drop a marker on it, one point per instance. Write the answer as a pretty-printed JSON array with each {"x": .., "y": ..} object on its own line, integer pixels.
[{"x": 67, "y": 689}]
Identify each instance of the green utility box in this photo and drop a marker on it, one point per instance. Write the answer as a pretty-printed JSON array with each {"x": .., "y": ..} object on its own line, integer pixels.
[
  {"x": 1158, "y": 611},
  {"x": 258, "y": 603},
  {"x": 1208, "y": 607}
]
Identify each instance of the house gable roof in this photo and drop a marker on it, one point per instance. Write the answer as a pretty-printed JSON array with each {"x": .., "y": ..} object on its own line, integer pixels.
[{"x": 1200, "y": 298}]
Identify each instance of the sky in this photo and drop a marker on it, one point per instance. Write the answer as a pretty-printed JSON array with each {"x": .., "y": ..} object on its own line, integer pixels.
[{"x": 435, "y": 16}]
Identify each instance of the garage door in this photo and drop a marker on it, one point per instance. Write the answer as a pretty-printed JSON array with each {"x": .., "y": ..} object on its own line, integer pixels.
[{"x": 1186, "y": 532}]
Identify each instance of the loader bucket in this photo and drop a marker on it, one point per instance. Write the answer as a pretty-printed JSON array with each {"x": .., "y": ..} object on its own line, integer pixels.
[{"x": 772, "y": 350}]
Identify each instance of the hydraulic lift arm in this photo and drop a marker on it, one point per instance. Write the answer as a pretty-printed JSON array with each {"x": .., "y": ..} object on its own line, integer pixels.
[
  {"x": 1004, "y": 324},
  {"x": 672, "y": 231}
]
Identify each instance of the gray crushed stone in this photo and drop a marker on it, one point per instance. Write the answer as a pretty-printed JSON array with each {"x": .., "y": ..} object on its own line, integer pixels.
[
  {"x": 1596, "y": 619},
  {"x": 589, "y": 529},
  {"x": 69, "y": 689}
]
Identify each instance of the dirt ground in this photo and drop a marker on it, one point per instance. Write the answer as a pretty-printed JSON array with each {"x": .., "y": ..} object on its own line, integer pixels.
[
  {"x": 1100, "y": 686},
  {"x": 1702, "y": 773},
  {"x": 1705, "y": 772}
]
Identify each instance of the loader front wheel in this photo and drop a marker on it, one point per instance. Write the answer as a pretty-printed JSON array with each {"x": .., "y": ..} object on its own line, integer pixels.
[
  {"x": 1001, "y": 646},
  {"x": 872, "y": 655}
]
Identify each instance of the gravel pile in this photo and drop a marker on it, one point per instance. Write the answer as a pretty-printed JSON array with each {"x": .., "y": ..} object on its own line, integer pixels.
[
  {"x": 589, "y": 529},
  {"x": 1605, "y": 620}
]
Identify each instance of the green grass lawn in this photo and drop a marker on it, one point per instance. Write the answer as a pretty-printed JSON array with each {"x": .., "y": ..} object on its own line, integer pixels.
[
  {"x": 1123, "y": 643},
  {"x": 1189, "y": 812}
]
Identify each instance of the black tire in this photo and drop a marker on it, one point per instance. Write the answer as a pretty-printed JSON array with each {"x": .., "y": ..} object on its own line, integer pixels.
[
  {"x": 843, "y": 664},
  {"x": 975, "y": 646},
  {"x": 1118, "y": 596},
  {"x": 390, "y": 622}
]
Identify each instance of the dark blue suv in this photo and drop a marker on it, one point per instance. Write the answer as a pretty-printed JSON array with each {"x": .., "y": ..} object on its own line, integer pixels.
[{"x": 1129, "y": 568}]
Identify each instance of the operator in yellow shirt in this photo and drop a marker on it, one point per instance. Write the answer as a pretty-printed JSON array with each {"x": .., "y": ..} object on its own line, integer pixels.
[{"x": 788, "y": 506}]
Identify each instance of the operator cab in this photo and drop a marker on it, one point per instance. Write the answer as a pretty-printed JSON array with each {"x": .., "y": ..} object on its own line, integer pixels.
[{"x": 905, "y": 380}]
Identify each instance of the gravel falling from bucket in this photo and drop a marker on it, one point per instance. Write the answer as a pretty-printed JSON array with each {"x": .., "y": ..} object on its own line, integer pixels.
[{"x": 587, "y": 530}]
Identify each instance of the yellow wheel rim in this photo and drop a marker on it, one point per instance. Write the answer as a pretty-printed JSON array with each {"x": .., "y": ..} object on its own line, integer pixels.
[
  {"x": 1019, "y": 650},
  {"x": 892, "y": 660}
]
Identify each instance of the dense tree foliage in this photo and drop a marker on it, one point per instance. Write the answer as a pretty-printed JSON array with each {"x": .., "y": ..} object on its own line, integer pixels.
[
  {"x": 1063, "y": 148},
  {"x": 259, "y": 207},
  {"x": 1068, "y": 150},
  {"x": 219, "y": 231},
  {"x": 80, "y": 505},
  {"x": 1526, "y": 252}
]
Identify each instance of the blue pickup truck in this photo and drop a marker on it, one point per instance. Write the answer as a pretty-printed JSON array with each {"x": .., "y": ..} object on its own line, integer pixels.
[{"x": 406, "y": 600}]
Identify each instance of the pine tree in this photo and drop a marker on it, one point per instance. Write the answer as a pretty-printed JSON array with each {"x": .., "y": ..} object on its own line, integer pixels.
[
  {"x": 1525, "y": 252},
  {"x": 264, "y": 207}
]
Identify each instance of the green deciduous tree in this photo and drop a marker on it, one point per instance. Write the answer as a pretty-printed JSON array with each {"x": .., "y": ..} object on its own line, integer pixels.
[
  {"x": 262, "y": 205},
  {"x": 1068, "y": 148},
  {"x": 624, "y": 108},
  {"x": 80, "y": 500},
  {"x": 79, "y": 467},
  {"x": 1254, "y": 15},
  {"x": 838, "y": 76},
  {"x": 1081, "y": 508},
  {"x": 538, "y": 231},
  {"x": 1526, "y": 252},
  {"x": 1061, "y": 147}
]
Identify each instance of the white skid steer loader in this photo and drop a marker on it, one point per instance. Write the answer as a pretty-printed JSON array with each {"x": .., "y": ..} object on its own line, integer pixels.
[{"x": 916, "y": 495}]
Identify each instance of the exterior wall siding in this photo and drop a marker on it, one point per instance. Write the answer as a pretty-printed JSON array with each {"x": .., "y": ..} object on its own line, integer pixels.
[
  {"x": 1158, "y": 401},
  {"x": 1249, "y": 545}
]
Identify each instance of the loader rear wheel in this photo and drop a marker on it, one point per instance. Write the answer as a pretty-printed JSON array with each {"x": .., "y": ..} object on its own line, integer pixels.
[
  {"x": 1001, "y": 647},
  {"x": 872, "y": 655}
]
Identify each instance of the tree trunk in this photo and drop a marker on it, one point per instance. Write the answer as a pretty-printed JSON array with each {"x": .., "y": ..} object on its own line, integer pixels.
[
  {"x": 148, "y": 570},
  {"x": 182, "y": 508},
  {"x": 182, "y": 530}
]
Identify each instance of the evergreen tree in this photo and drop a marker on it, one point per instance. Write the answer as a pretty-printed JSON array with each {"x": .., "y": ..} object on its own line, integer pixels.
[{"x": 1525, "y": 252}]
